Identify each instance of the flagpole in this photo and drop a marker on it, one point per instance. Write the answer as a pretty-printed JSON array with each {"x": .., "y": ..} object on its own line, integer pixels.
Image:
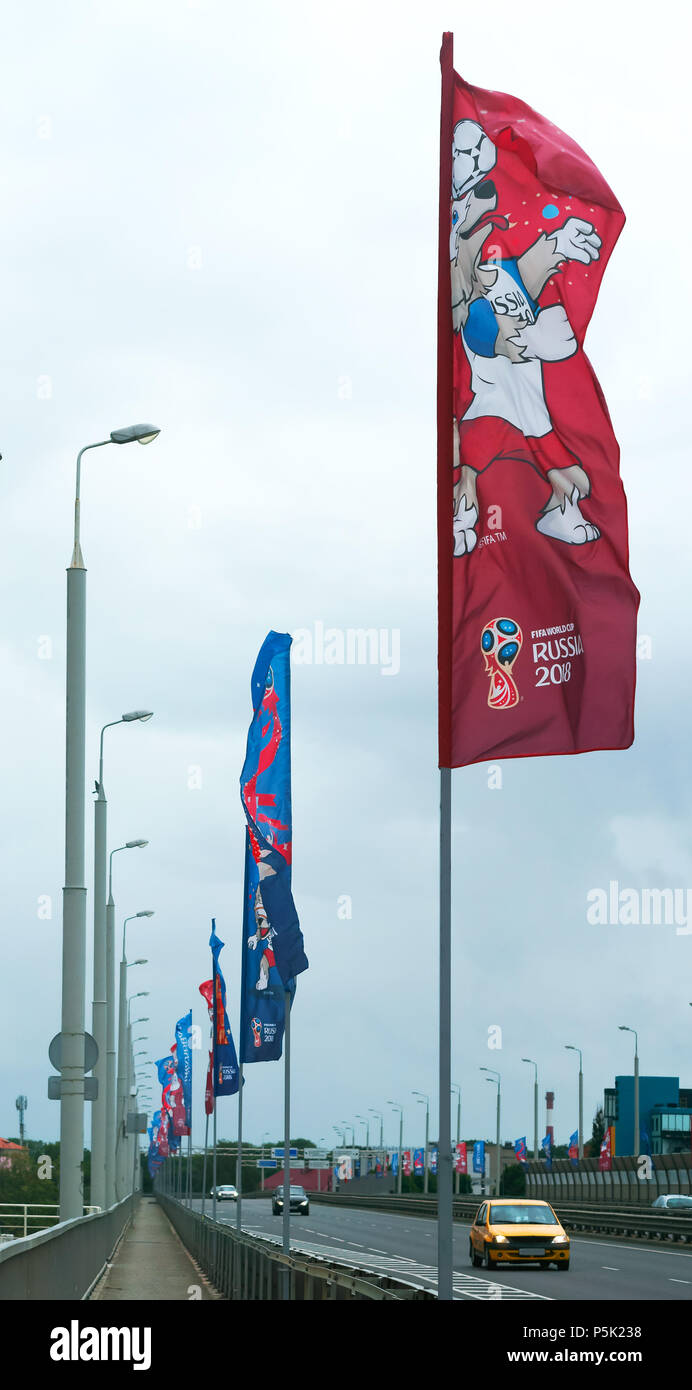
[
  {"x": 204, "y": 1165},
  {"x": 287, "y": 1141},
  {"x": 243, "y": 947},
  {"x": 213, "y": 1073},
  {"x": 445, "y": 461},
  {"x": 239, "y": 1153}
]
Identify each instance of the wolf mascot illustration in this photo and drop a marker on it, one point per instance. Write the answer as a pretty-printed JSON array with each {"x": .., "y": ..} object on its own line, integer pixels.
[{"x": 507, "y": 336}]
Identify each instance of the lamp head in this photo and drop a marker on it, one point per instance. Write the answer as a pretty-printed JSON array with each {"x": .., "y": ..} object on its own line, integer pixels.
[
  {"x": 148, "y": 912},
  {"x": 142, "y": 433},
  {"x": 141, "y": 714},
  {"x": 136, "y": 844}
]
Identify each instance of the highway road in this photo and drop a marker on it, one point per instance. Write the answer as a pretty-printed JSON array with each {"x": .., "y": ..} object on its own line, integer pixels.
[{"x": 601, "y": 1269}]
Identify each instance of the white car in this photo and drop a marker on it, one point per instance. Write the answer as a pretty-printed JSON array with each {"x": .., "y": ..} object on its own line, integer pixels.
[
  {"x": 227, "y": 1192},
  {"x": 673, "y": 1201}
]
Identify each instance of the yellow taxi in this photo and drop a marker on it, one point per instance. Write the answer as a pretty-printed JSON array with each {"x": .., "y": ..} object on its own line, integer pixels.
[{"x": 517, "y": 1230}]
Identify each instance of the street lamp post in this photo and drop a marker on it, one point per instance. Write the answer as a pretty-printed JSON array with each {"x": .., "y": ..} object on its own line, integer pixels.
[
  {"x": 380, "y": 1116},
  {"x": 74, "y": 891},
  {"x": 425, "y": 1100},
  {"x": 494, "y": 1079},
  {"x": 535, "y": 1104},
  {"x": 569, "y": 1047},
  {"x": 123, "y": 1042},
  {"x": 395, "y": 1106},
  {"x": 110, "y": 1025},
  {"x": 365, "y": 1122},
  {"x": 103, "y": 982},
  {"x": 636, "y": 1139},
  {"x": 456, "y": 1087},
  {"x": 347, "y": 1125}
]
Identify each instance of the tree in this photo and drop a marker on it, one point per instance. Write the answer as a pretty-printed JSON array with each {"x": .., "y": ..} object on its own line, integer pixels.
[
  {"x": 513, "y": 1180},
  {"x": 597, "y": 1133}
]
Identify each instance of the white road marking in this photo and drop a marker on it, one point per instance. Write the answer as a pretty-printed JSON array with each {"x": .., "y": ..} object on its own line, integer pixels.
[
  {"x": 424, "y": 1276},
  {"x": 679, "y": 1281},
  {"x": 642, "y": 1249},
  {"x": 611, "y": 1267}
]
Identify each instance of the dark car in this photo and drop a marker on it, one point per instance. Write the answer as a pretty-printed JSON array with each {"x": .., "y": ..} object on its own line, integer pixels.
[{"x": 298, "y": 1201}]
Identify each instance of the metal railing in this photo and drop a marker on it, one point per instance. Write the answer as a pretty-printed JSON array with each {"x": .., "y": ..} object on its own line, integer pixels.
[
  {"x": 637, "y": 1222},
  {"x": 247, "y": 1267},
  {"x": 64, "y": 1261},
  {"x": 18, "y": 1219}
]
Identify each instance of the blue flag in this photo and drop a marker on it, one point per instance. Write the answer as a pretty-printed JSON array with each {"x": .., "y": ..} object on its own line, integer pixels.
[
  {"x": 273, "y": 951},
  {"x": 183, "y": 1031},
  {"x": 547, "y": 1152},
  {"x": 479, "y": 1156},
  {"x": 395, "y": 1163},
  {"x": 573, "y": 1151},
  {"x": 520, "y": 1150},
  {"x": 224, "y": 1057}
]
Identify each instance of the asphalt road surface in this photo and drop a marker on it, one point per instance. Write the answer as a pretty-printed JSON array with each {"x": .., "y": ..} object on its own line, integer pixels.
[{"x": 405, "y": 1247}]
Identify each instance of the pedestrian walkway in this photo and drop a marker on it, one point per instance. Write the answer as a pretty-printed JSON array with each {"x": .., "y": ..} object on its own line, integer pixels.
[{"x": 152, "y": 1264}]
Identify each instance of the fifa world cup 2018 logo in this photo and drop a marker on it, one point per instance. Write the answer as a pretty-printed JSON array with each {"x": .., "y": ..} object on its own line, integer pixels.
[
  {"x": 501, "y": 641},
  {"x": 256, "y": 1025}
]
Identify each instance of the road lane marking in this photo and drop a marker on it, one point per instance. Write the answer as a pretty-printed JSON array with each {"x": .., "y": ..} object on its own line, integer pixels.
[
  {"x": 613, "y": 1268},
  {"x": 679, "y": 1281}
]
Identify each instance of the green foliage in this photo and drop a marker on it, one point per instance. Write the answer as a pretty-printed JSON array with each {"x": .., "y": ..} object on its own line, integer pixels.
[
  {"x": 513, "y": 1180},
  {"x": 597, "y": 1134}
]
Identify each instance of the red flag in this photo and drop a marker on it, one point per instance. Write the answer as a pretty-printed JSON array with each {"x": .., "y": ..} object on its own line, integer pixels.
[
  {"x": 537, "y": 610},
  {"x": 406, "y": 1164},
  {"x": 605, "y": 1157},
  {"x": 460, "y": 1160}
]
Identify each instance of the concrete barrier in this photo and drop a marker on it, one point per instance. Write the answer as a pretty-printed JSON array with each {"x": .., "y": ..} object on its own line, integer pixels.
[{"x": 63, "y": 1262}]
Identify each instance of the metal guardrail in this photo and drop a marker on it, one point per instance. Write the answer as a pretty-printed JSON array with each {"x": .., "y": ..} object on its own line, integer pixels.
[
  {"x": 247, "y": 1267},
  {"x": 64, "y": 1261},
  {"x": 639, "y": 1222},
  {"x": 18, "y": 1219}
]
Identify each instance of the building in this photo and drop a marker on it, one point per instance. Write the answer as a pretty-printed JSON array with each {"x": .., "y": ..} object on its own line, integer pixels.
[
  {"x": 8, "y": 1151},
  {"x": 665, "y": 1115}
]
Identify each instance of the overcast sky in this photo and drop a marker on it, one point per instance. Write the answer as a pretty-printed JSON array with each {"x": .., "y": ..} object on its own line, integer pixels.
[{"x": 222, "y": 219}]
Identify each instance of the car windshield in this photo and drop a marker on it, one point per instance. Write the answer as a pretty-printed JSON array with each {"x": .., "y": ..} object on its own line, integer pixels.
[
  {"x": 502, "y": 1214},
  {"x": 297, "y": 1191}
]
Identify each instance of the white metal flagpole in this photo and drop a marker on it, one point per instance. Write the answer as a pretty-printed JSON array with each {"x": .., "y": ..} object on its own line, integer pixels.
[{"x": 287, "y": 1142}]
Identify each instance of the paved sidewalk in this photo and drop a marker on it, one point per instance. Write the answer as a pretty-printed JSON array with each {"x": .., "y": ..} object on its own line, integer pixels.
[{"x": 151, "y": 1263}]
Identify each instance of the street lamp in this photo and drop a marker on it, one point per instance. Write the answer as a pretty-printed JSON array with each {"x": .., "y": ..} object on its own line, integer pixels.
[
  {"x": 365, "y": 1122},
  {"x": 347, "y": 1125},
  {"x": 425, "y": 1100},
  {"x": 494, "y": 1078},
  {"x": 123, "y": 1049},
  {"x": 380, "y": 1116},
  {"x": 535, "y": 1104},
  {"x": 74, "y": 891},
  {"x": 103, "y": 981},
  {"x": 570, "y": 1048},
  {"x": 341, "y": 1133},
  {"x": 456, "y": 1087},
  {"x": 395, "y": 1106},
  {"x": 110, "y": 1023},
  {"x": 635, "y": 1143}
]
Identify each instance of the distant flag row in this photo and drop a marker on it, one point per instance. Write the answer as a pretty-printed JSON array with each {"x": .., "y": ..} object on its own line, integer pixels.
[
  {"x": 273, "y": 951},
  {"x": 174, "y": 1118}
]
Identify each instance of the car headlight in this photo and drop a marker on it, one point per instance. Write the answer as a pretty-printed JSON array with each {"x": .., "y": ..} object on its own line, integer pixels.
[
  {"x": 500, "y": 1240},
  {"x": 560, "y": 1240},
  {"x": 304, "y": 1202}
]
